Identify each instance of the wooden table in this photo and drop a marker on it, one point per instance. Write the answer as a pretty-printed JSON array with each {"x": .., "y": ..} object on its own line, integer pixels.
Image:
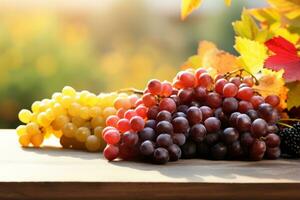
[{"x": 54, "y": 173}]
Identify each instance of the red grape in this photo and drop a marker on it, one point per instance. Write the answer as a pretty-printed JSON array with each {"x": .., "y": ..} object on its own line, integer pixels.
[
  {"x": 112, "y": 120},
  {"x": 205, "y": 80},
  {"x": 123, "y": 125},
  {"x": 141, "y": 111},
  {"x": 129, "y": 114},
  {"x": 154, "y": 87},
  {"x": 167, "y": 104},
  {"x": 273, "y": 100},
  {"x": 230, "y": 90},
  {"x": 245, "y": 93},
  {"x": 166, "y": 89},
  {"x": 111, "y": 152},
  {"x": 137, "y": 123},
  {"x": 256, "y": 101},
  {"x": 149, "y": 100},
  {"x": 220, "y": 85},
  {"x": 187, "y": 79},
  {"x": 112, "y": 136}
]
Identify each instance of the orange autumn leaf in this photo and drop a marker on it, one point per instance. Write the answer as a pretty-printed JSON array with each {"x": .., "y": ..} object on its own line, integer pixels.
[
  {"x": 188, "y": 6},
  {"x": 213, "y": 59},
  {"x": 272, "y": 82}
]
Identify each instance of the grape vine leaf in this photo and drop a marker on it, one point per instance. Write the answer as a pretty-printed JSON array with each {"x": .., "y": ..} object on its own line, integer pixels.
[
  {"x": 253, "y": 54},
  {"x": 246, "y": 27},
  {"x": 188, "y": 6},
  {"x": 272, "y": 82},
  {"x": 285, "y": 57},
  {"x": 213, "y": 59},
  {"x": 293, "y": 95}
]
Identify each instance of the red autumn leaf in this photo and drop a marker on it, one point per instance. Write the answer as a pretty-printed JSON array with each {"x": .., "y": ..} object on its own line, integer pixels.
[{"x": 285, "y": 57}]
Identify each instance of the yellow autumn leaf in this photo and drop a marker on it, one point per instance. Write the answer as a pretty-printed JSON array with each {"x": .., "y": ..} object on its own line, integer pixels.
[
  {"x": 246, "y": 27},
  {"x": 293, "y": 95},
  {"x": 227, "y": 2},
  {"x": 290, "y": 8},
  {"x": 188, "y": 6},
  {"x": 272, "y": 82},
  {"x": 253, "y": 54},
  {"x": 266, "y": 16},
  {"x": 285, "y": 33}
]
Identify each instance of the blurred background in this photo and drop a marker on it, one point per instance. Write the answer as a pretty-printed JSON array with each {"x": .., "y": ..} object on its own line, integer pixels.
[{"x": 100, "y": 45}]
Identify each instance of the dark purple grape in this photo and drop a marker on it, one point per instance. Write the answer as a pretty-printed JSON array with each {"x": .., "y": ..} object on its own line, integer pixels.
[
  {"x": 229, "y": 135},
  {"x": 150, "y": 123},
  {"x": 265, "y": 111},
  {"x": 189, "y": 150},
  {"x": 200, "y": 94},
  {"x": 179, "y": 114},
  {"x": 259, "y": 128},
  {"x": 221, "y": 116},
  {"x": 273, "y": 153},
  {"x": 212, "y": 138},
  {"x": 128, "y": 152},
  {"x": 147, "y": 148},
  {"x": 152, "y": 112},
  {"x": 164, "y": 140},
  {"x": 180, "y": 124},
  {"x": 161, "y": 155},
  {"x": 182, "y": 108},
  {"x": 198, "y": 132},
  {"x": 212, "y": 124},
  {"x": 147, "y": 134},
  {"x": 164, "y": 116},
  {"x": 232, "y": 119},
  {"x": 203, "y": 150},
  {"x": 235, "y": 150},
  {"x": 272, "y": 140},
  {"x": 243, "y": 123},
  {"x": 164, "y": 127},
  {"x": 186, "y": 95},
  {"x": 179, "y": 139},
  {"x": 247, "y": 139},
  {"x": 174, "y": 152},
  {"x": 230, "y": 105},
  {"x": 214, "y": 100},
  {"x": 218, "y": 151},
  {"x": 257, "y": 150},
  {"x": 206, "y": 112},
  {"x": 130, "y": 138},
  {"x": 194, "y": 115},
  {"x": 252, "y": 114}
]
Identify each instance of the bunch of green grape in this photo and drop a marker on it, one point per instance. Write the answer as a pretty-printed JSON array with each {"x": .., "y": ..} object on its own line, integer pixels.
[{"x": 77, "y": 118}]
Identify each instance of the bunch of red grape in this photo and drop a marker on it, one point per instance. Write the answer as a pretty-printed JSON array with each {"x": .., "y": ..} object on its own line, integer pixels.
[{"x": 196, "y": 116}]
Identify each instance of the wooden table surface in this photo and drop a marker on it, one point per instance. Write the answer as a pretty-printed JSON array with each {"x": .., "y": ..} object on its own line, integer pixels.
[{"x": 54, "y": 173}]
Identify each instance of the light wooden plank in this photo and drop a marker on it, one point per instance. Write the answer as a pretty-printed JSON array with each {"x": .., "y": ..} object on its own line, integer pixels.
[{"x": 53, "y": 164}]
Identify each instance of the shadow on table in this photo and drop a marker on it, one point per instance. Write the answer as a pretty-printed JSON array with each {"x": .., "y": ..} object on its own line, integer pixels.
[
  {"x": 198, "y": 169},
  {"x": 60, "y": 152}
]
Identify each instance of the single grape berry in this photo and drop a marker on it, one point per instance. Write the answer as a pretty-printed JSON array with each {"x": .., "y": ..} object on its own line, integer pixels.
[
  {"x": 198, "y": 132},
  {"x": 167, "y": 104},
  {"x": 154, "y": 87},
  {"x": 164, "y": 140},
  {"x": 259, "y": 128},
  {"x": 179, "y": 139},
  {"x": 147, "y": 148},
  {"x": 111, "y": 152},
  {"x": 230, "y": 90},
  {"x": 212, "y": 124},
  {"x": 230, "y": 105},
  {"x": 137, "y": 123},
  {"x": 180, "y": 124},
  {"x": 161, "y": 156},
  {"x": 273, "y": 100},
  {"x": 229, "y": 135},
  {"x": 174, "y": 152},
  {"x": 164, "y": 115},
  {"x": 187, "y": 79},
  {"x": 214, "y": 100},
  {"x": 164, "y": 127},
  {"x": 194, "y": 115}
]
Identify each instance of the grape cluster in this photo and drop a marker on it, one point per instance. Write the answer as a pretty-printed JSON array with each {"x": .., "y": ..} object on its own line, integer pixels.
[
  {"x": 196, "y": 116},
  {"x": 290, "y": 138},
  {"x": 77, "y": 118}
]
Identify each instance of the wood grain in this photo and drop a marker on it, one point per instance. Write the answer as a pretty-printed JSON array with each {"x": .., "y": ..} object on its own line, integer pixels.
[{"x": 54, "y": 173}]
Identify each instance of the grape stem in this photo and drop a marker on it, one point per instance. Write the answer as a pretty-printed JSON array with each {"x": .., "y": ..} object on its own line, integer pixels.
[
  {"x": 228, "y": 74},
  {"x": 284, "y": 124},
  {"x": 131, "y": 90},
  {"x": 290, "y": 119}
]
